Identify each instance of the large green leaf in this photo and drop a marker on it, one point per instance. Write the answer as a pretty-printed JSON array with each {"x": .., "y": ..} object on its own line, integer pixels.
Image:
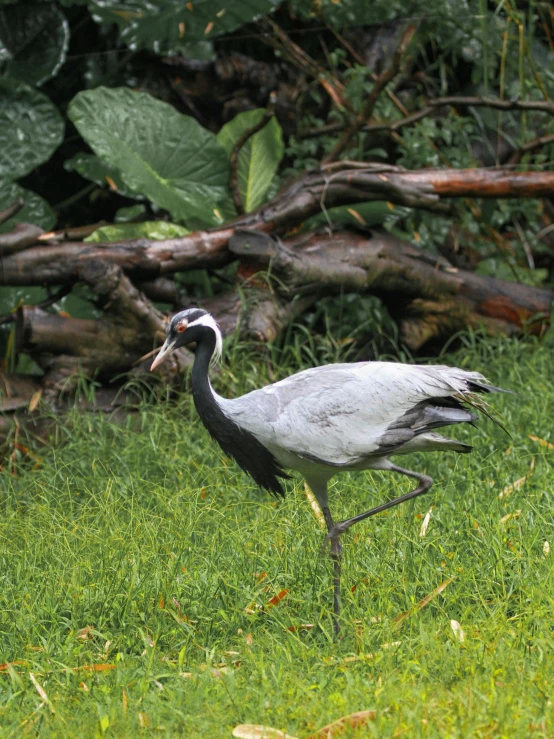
[
  {"x": 94, "y": 169},
  {"x": 160, "y": 153},
  {"x": 31, "y": 128},
  {"x": 259, "y": 158},
  {"x": 33, "y": 42},
  {"x": 36, "y": 209},
  {"x": 155, "y": 230},
  {"x": 164, "y": 26}
]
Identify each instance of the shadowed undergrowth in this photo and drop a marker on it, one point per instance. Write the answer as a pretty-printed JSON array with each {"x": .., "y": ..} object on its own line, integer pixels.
[{"x": 134, "y": 562}]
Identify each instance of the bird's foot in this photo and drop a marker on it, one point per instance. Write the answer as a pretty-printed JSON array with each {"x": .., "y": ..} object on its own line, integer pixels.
[{"x": 333, "y": 538}]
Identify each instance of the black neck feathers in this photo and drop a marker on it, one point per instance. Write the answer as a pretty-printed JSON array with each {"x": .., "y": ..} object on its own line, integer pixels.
[{"x": 236, "y": 442}]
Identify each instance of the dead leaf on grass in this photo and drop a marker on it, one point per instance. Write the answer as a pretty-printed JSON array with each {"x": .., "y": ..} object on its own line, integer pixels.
[
  {"x": 37, "y": 395},
  {"x": 346, "y": 722},
  {"x": 425, "y": 524},
  {"x": 422, "y": 603},
  {"x": 95, "y": 668},
  {"x": 256, "y": 731},
  {"x": 508, "y": 516},
  {"x": 5, "y": 666},
  {"x": 300, "y": 627},
  {"x": 457, "y": 630},
  {"x": 40, "y": 690},
  {"x": 85, "y": 633},
  {"x": 276, "y": 599},
  {"x": 509, "y": 489},
  {"x": 541, "y": 442}
]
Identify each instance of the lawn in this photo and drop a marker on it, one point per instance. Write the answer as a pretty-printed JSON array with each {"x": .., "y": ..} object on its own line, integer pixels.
[{"x": 135, "y": 560}]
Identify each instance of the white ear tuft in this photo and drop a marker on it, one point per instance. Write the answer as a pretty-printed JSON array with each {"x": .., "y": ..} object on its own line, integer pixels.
[{"x": 209, "y": 321}]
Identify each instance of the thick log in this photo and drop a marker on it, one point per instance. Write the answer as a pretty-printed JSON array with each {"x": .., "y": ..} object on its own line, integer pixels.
[
  {"x": 428, "y": 297},
  {"x": 129, "y": 328},
  {"x": 341, "y": 184},
  {"x": 257, "y": 313},
  {"x": 140, "y": 258}
]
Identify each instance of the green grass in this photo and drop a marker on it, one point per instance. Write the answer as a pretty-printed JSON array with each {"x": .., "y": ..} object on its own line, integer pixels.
[{"x": 140, "y": 546}]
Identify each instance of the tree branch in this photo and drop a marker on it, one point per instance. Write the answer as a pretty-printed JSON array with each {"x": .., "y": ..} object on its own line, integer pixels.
[
  {"x": 378, "y": 87},
  {"x": 342, "y": 183},
  {"x": 296, "y": 54},
  {"x": 428, "y": 297},
  {"x": 541, "y": 105},
  {"x": 11, "y": 210},
  {"x": 370, "y": 127}
]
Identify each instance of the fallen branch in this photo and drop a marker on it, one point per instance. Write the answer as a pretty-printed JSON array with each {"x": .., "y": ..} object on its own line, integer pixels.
[
  {"x": 537, "y": 143},
  {"x": 65, "y": 347},
  {"x": 428, "y": 297},
  {"x": 408, "y": 120},
  {"x": 542, "y": 105},
  {"x": 342, "y": 183},
  {"x": 21, "y": 236}
]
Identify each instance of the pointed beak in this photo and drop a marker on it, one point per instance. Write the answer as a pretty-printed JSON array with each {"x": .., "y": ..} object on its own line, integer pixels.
[{"x": 166, "y": 349}]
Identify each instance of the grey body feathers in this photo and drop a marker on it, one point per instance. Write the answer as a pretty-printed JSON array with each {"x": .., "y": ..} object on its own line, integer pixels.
[{"x": 353, "y": 416}]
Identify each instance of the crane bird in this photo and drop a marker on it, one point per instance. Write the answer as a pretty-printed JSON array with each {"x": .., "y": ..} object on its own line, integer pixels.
[{"x": 330, "y": 419}]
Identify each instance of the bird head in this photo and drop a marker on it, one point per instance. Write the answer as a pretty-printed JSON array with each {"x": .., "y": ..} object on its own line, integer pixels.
[{"x": 188, "y": 327}]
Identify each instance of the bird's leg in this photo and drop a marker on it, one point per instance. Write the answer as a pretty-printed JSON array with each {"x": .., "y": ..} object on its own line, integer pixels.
[
  {"x": 424, "y": 486},
  {"x": 319, "y": 489},
  {"x": 336, "y": 556}
]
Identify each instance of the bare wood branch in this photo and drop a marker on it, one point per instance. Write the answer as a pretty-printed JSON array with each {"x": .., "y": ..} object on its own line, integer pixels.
[
  {"x": 537, "y": 143},
  {"x": 541, "y": 105},
  {"x": 104, "y": 347},
  {"x": 341, "y": 184},
  {"x": 370, "y": 127},
  {"x": 428, "y": 297},
  {"x": 11, "y": 210},
  {"x": 298, "y": 56},
  {"x": 380, "y": 83},
  {"x": 21, "y": 236},
  {"x": 71, "y": 234}
]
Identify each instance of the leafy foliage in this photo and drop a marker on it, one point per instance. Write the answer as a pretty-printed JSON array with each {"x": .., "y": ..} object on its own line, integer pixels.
[
  {"x": 33, "y": 42},
  {"x": 258, "y": 159},
  {"x": 155, "y": 230},
  {"x": 162, "y": 91},
  {"x": 36, "y": 209},
  {"x": 158, "y": 152},
  {"x": 31, "y": 128},
  {"x": 167, "y": 26},
  {"x": 94, "y": 169}
]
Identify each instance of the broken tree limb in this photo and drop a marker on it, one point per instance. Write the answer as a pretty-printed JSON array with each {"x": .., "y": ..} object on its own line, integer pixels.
[
  {"x": 106, "y": 347},
  {"x": 256, "y": 313},
  {"x": 543, "y": 106},
  {"x": 21, "y": 236},
  {"x": 142, "y": 259},
  {"x": 428, "y": 297}
]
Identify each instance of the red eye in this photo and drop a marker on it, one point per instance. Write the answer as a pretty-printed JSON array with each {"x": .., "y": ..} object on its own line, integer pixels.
[{"x": 182, "y": 327}]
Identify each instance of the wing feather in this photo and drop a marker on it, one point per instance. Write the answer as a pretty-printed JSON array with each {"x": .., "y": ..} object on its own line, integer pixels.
[{"x": 343, "y": 412}]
